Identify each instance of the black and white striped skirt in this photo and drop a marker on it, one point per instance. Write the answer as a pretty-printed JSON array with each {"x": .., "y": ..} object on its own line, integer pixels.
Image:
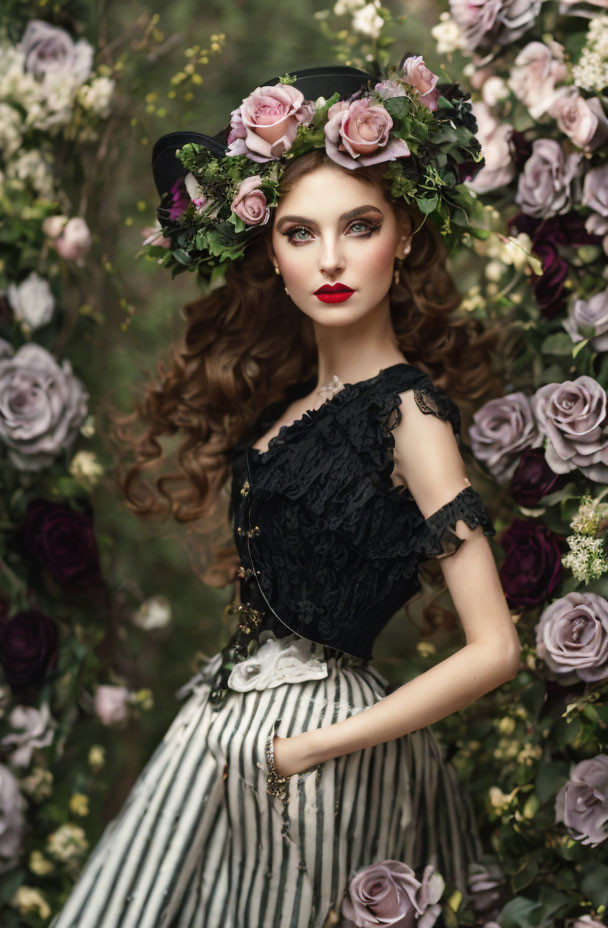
[{"x": 199, "y": 843}]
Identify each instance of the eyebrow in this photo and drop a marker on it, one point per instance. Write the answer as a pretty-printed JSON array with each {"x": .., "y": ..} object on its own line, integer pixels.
[{"x": 358, "y": 211}]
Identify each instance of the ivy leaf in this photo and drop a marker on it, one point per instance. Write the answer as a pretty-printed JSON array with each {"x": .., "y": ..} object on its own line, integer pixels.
[{"x": 427, "y": 204}]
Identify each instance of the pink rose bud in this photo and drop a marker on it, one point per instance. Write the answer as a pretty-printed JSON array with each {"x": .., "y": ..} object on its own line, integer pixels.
[
  {"x": 111, "y": 704},
  {"x": 250, "y": 203},
  {"x": 416, "y": 73},
  {"x": 75, "y": 240}
]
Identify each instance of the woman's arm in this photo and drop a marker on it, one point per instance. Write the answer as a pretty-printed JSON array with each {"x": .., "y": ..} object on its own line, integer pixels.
[{"x": 428, "y": 457}]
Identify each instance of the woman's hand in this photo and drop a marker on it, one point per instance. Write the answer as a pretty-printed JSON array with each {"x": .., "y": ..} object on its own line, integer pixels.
[{"x": 291, "y": 755}]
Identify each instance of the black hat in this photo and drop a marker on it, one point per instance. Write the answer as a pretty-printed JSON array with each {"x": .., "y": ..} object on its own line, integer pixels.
[{"x": 312, "y": 82}]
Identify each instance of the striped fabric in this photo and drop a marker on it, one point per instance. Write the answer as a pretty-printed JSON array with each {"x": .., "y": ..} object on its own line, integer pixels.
[{"x": 195, "y": 846}]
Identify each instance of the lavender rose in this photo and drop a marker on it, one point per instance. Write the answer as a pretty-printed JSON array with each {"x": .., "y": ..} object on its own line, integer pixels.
[
  {"x": 50, "y": 51},
  {"x": 502, "y": 428},
  {"x": 572, "y": 415},
  {"x": 42, "y": 406},
  {"x": 584, "y": 121},
  {"x": 389, "y": 89},
  {"x": 28, "y": 648},
  {"x": 485, "y": 22},
  {"x": 536, "y": 71},
  {"x": 595, "y": 196},
  {"x": 388, "y": 893},
  {"x": 250, "y": 203},
  {"x": 358, "y": 133},
  {"x": 493, "y": 136},
  {"x": 32, "y": 301},
  {"x": 544, "y": 186},
  {"x": 63, "y": 541},
  {"x": 12, "y": 808},
  {"x": 485, "y": 881},
  {"x": 35, "y": 729},
  {"x": 572, "y": 637},
  {"x": 582, "y": 802},
  {"x": 590, "y": 314},
  {"x": 532, "y": 567},
  {"x": 269, "y": 118},
  {"x": 416, "y": 73}
]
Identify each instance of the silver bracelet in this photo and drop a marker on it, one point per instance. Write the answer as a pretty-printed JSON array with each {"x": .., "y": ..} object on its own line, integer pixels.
[{"x": 276, "y": 785}]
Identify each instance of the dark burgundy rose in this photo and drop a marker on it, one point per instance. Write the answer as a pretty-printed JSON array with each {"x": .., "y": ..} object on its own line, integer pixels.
[
  {"x": 520, "y": 149},
  {"x": 532, "y": 566},
  {"x": 547, "y": 235},
  {"x": 533, "y": 478},
  {"x": 549, "y": 287},
  {"x": 467, "y": 170},
  {"x": 28, "y": 648},
  {"x": 5, "y": 310},
  {"x": 62, "y": 540}
]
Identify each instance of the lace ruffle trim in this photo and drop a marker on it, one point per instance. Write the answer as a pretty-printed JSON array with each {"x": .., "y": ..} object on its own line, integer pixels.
[{"x": 438, "y": 537}]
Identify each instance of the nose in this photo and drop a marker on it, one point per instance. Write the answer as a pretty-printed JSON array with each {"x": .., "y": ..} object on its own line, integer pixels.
[{"x": 331, "y": 259}]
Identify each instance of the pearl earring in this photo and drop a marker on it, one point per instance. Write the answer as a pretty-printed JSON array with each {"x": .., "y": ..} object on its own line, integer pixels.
[{"x": 276, "y": 269}]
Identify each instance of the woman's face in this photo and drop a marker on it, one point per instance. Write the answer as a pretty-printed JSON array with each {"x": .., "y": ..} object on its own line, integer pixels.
[{"x": 333, "y": 228}]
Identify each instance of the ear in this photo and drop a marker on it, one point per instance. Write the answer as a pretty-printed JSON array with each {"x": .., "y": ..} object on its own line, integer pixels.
[{"x": 404, "y": 241}]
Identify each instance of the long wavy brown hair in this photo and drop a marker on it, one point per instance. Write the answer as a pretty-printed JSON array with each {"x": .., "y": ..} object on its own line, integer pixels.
[{"x": 244, "y": 343}]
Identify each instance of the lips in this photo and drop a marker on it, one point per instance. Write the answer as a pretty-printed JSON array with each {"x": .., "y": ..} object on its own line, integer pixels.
[{"x": 334, "y": 288}]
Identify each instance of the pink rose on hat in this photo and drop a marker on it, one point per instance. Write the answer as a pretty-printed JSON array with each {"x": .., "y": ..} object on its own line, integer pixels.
[
  {"x": 357, "y": 133},
  {"x": 416, "y": 73},
  {"x": 265, "y": 125},
  {"x": 250, "y": 202}
]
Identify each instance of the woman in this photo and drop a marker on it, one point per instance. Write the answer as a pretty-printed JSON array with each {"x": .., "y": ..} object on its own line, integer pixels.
[{"x": 292, "y": 766}]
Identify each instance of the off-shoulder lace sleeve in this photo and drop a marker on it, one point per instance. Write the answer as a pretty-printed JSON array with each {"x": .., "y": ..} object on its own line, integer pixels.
[{"x": 437, "y": 537}]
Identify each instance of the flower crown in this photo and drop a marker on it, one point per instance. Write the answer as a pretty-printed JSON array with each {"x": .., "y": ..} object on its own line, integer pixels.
[{"x": 424, "y": 131}]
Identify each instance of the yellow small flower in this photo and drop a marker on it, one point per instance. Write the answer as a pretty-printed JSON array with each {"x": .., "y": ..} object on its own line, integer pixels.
[
  {"x": 97, "y": 755},
  {"x": 79, "y": 804},
  {"x": 506, "y": 725},
  {"x": 39, "y": 864},
  {"x": 426, "y": 649},
  {"x": 29, "y": 900}
]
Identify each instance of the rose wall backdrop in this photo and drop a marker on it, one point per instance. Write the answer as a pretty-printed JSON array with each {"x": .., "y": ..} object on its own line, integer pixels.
[{"x": 101, "y": 616}]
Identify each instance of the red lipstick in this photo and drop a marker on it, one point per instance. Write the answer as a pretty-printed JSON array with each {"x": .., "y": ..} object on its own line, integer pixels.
[{"x": 333, "y": 293}]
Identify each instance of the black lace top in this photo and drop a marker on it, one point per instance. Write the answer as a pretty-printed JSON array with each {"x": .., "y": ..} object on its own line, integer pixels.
[{"x": 329, "y": 548}]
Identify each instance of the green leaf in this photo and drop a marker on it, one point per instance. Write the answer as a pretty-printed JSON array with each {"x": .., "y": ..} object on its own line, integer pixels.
[
  {"x": 560, "y": 343},
  {"x": 427, "y": 204},
  {"x": 520, "y": 912},
  {"x": 550, "y": 779},
  {"x": 182, "y": 256},
  {"x": 525, "y": 875},
  {"x": 595, "y": 884}
]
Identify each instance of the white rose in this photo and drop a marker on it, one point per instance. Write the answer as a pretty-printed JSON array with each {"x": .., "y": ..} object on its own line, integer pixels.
[
  {"x": 37, "y": 730},
  {"x": 368, "y": 21},
  {"x": 53, "y": 225},
  {"x": 32, "y": 301},
  {"x": 111, "y": 704},
  {"x": 154, "y": 612},
  {"x": 494, "y": 90}
]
